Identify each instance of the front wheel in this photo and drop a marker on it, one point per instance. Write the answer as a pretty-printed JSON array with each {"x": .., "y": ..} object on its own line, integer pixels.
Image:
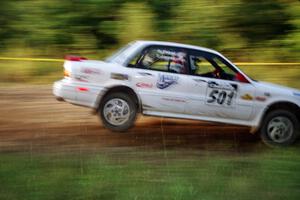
[
  {"x": 280, "y": 128},
  {"x": 118, "y": 112}
]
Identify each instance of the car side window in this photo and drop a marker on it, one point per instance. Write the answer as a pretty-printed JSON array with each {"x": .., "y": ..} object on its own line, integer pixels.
[
  {"x": 200, "y": 65},
  {"x": 225, "y": 68},
  {"x": 166, "y": 59},
  {"x": 134, "y": 61},
  {"x": 211, "y": 66}
]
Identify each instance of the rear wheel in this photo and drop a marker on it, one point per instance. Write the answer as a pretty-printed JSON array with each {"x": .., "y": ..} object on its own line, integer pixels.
[
  {"x": 280, "y": 128},
  {"x": 118, "y": 111}
]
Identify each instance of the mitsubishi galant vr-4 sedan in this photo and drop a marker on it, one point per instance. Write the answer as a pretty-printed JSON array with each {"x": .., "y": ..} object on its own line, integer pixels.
[{"x": 179, "y": 81}]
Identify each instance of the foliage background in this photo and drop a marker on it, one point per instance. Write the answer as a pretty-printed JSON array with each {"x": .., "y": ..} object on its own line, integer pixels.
[{"x": 243, "y": 30}]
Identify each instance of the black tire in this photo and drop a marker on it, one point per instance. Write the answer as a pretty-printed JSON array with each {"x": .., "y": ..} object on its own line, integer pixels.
[
  {"x": 128, "y": 123},
  {"x": 288, "y": 137}
]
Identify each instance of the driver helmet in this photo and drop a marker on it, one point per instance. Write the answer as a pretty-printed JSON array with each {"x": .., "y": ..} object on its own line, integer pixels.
[{"x": 177, "y": 63}]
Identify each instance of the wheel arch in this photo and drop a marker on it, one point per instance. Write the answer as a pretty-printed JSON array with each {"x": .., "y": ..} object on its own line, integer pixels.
[
  {"x": 119, "y": 88},
  {"x": 285, "y": 105}
]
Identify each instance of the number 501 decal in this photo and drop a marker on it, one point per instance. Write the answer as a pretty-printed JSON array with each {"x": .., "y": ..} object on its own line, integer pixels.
[{"x": 222, "y": 95}]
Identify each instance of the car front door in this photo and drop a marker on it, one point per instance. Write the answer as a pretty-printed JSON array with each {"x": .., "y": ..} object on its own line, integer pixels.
[
  {"x": 160, "y": 73},
  {"x": 217, "y": 89}
]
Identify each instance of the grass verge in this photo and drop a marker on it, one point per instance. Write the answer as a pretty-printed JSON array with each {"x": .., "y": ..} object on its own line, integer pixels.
[{"x": 174, "y": 174}]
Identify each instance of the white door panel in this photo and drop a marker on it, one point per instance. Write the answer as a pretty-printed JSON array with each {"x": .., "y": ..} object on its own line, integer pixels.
[
  {"x": 160, "y": 91},
  {"x": 216, "y": 88},
  {"x": 219, "y": 98},
  {"x": 159, "y": 78}
]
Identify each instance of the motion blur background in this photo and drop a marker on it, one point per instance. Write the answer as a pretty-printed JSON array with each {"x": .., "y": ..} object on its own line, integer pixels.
[
  {"x": 243, "y": 30},
  {"x": 54, "y": 150}
]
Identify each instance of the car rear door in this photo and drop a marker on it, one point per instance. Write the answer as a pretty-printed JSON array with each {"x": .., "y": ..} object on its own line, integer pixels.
[{"x": 160, "y": 73}]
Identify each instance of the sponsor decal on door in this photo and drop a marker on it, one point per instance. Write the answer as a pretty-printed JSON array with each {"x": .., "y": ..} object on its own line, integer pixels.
[
  {"x": 165, "y": 81},
  {"x": 144, "y": 85}
]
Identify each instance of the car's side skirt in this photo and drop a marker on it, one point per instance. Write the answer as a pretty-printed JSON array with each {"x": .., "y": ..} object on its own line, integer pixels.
[{"x": 194, "y": 117}]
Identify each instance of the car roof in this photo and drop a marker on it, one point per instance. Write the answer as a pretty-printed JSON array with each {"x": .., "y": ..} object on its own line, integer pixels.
[{"x": 175, "y": 44}]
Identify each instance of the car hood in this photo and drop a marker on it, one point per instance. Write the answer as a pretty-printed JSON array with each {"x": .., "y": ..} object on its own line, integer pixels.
[
  {"x": 271, "y": 87},
  {"x": 274, "y": 86}
]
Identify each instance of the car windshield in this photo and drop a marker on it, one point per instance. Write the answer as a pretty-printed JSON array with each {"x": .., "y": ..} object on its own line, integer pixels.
[{"x": 120, "y": 55}]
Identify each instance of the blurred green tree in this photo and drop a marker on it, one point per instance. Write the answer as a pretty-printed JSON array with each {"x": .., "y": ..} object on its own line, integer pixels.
[
  {"x": 136, "y": 22},
  {"x": 96, "y": 18},
  {"x": 165, "y": 12},
  {"x": 55, "y": 27},
  {"x": 258, "y": 21},
  {"x": 7, "y": 19},
  {"x": 198, "y": 22}
]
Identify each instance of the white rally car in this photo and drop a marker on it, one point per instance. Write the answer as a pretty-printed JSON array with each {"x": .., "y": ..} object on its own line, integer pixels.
[{"x": 179, "y": 81}]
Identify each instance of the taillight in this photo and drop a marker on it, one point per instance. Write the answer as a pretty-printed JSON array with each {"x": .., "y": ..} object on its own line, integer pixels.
[
  {"x": 66, "y": 73},
  {"x": 74, "y": 58}
]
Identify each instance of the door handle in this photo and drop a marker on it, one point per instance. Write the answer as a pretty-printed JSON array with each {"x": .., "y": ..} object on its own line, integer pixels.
[
  {"x": 198, "y": 80},
  {"x": 145, "y": 74}
]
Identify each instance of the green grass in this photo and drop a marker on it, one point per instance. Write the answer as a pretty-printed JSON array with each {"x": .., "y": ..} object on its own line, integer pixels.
[{"x": 175, "y": 174}]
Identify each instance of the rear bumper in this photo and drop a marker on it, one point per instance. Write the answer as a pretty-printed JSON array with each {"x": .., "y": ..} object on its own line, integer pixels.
[
  {"x": 83, "y": 94},
  {"x": 64, "y": 90}
]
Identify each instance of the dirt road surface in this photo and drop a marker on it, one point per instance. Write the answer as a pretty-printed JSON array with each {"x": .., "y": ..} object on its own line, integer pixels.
[{"x": 32, "y": 120}]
